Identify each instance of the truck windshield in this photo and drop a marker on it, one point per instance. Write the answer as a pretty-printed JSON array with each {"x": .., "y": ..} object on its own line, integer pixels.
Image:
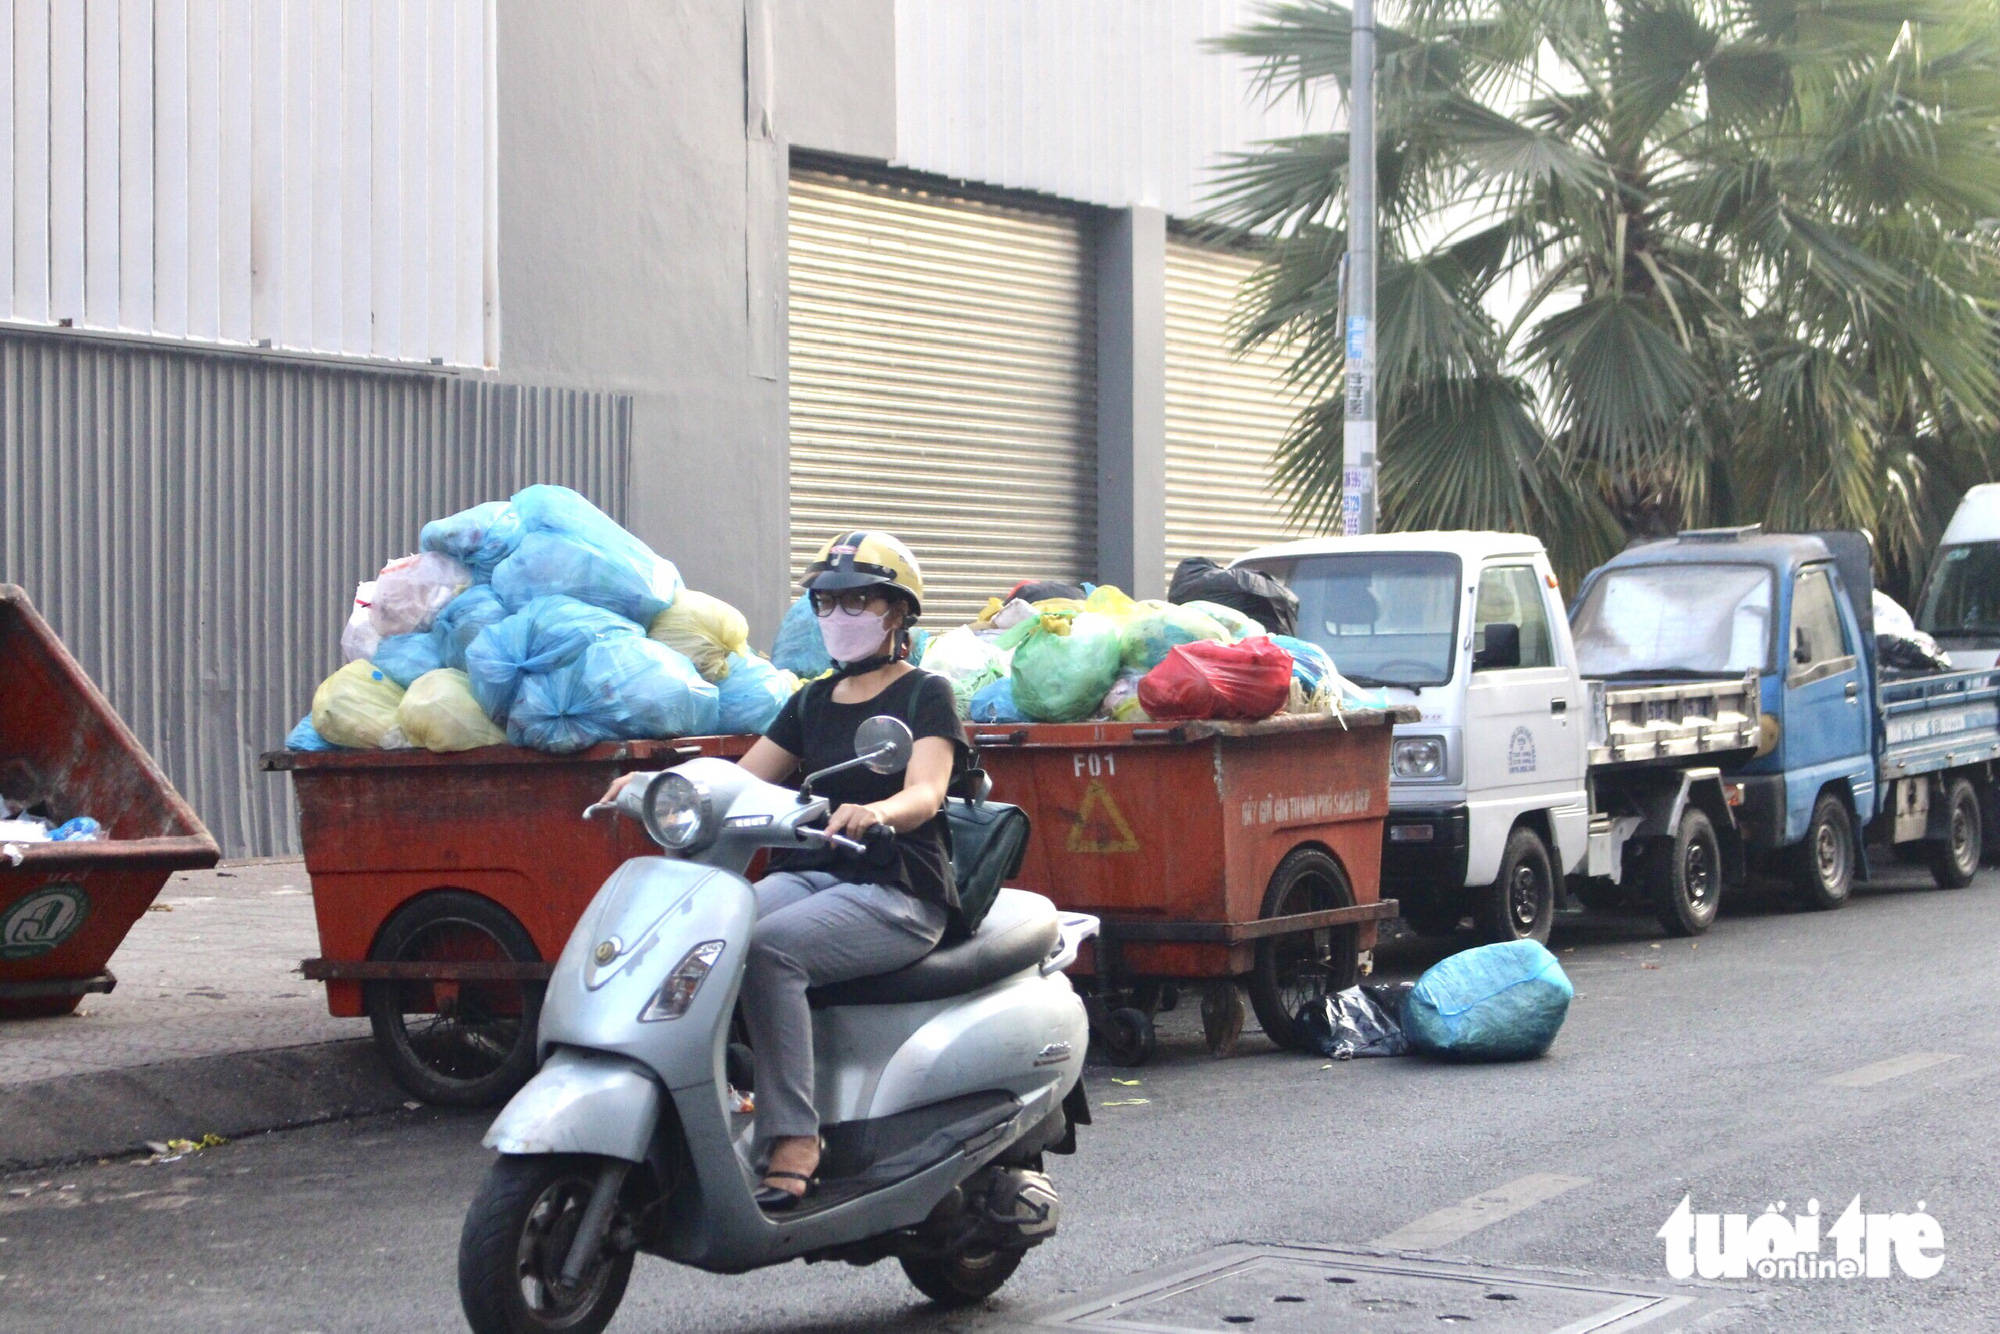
[
  {"x": 1963, "y": 597},
  {"x": 1675, "y": 620},
  {"x": 1388, "y": 618}
]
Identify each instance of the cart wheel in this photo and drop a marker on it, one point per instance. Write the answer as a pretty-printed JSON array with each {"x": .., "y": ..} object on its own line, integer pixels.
[
  {"x": 1296, "y": 970},
  {"x": 463, "y": 1044},
  {"x": 1128, "y": 1037},
  {"x": 1221, "y": 1015}
]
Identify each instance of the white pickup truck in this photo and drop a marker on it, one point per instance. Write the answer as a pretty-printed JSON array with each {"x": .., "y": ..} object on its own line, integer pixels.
[{"x": 1521, "y": 773}]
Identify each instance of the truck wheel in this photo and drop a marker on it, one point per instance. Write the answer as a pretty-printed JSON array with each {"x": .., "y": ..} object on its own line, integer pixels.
[
  {"x": 1521, "y": 904},
  {"x": 462, "y": 1044},
  {"x": 1297, "y": 969},
  {"x": 1955, "y": 858},
  {"x": 1823, "y": 865},
  {"x": 1684, "y": 876}
]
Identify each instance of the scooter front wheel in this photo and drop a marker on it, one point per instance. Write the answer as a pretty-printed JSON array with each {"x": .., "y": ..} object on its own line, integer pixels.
[{"x": 517, "y": 1236}]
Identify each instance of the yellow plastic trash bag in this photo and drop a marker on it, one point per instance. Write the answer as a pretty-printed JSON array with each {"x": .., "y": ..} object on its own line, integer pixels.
[
  {"x": 439, "y": 713},
  {"x": 1106, "y": 600},
  {"x": 356, "y": 707},
  {"x": 703, "y": 629}
]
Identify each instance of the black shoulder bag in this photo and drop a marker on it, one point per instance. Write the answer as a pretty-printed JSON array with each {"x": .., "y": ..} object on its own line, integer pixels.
[{"x": 988, "y": 841}]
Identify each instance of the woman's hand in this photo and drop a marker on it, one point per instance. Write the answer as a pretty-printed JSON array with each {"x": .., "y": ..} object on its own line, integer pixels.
[
  {"x": 618, "y": 785},
  {"x": 852, "y": 821}
]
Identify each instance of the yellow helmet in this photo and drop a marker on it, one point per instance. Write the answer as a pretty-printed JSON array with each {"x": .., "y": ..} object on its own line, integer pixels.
[{"x": 865, "y": 559}]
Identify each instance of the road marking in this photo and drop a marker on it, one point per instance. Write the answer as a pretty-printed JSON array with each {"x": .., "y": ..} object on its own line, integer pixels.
[
  {"x": 1482, "y": 1210},
  {"x": 1890, "y": 1069}
]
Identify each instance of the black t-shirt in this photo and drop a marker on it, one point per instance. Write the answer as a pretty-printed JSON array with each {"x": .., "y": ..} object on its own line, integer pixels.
[{"x": 820, "y": 731}]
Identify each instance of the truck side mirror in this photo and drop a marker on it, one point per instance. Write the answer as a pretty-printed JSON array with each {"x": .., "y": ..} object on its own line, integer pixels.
[{"x": 1500, "y": 646}]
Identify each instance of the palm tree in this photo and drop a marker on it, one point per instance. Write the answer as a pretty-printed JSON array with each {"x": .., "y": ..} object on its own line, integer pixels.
[{"x": 1646, "y": 264}]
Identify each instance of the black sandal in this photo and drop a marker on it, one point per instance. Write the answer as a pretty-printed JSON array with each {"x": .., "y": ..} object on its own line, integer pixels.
[{"x": 776, "y": 1199}]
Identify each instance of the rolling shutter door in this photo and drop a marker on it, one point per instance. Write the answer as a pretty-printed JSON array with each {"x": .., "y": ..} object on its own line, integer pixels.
[
  {"x": 1226, "y": 416},
  {"x": 943, "y": 384}
]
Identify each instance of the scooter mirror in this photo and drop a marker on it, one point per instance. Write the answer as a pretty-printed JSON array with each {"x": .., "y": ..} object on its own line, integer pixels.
[{"x": 884, "y": 743}]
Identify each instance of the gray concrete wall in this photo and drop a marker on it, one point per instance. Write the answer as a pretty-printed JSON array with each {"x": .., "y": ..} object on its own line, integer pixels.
[
  {"x": 1132, "y": 401},
  {"x": 835, "y": 75},
  {"x": 629, "y": 189}
]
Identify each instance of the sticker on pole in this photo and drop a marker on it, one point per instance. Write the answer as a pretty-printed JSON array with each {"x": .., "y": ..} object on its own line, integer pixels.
[
  {"x": 1357, "y": 338},
  {"x": 43, "y": 920},
  {"x": 1100, "y": 826}
]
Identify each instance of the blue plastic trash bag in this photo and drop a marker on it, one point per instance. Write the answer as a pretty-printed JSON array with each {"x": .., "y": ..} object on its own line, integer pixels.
[
  {"x": 752, "y": 693},
  {"x": 800, "y": 650},
  {"x": 81, "y": 829},
  {"x": 994, "y": 703},
  {"x": 306, "y": 737},
  {"x": 624, "y": 688},
  {"x": 461, "y": 621},
  {"x": 623, "y": 577},
  {"x": 403, "y": 658},
  {"x": 546, "y": 634},
  {"x": 482, "y": 536},
  {"x": 1495, "y": 1003},
  {"x": 1310, "y": 663}
]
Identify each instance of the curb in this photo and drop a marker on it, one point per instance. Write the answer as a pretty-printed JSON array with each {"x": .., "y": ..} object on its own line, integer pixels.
[{"x": 114, "y": 1112}]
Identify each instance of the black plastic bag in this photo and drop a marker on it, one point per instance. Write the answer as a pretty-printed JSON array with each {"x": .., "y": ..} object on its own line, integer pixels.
[
  {"x": 1917, "y": 655},
  {"x": 1352, "y": 1023},
  {"x": 1042, "y": 590},
  {"x": 1252, "y": 592}
]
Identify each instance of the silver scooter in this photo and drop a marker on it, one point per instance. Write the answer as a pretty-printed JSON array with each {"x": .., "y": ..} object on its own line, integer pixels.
[{"x": 939, "y": 1086}]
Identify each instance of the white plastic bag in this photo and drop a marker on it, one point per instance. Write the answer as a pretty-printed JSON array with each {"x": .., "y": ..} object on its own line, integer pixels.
[
  {"x": 965, "y": 660},
  {"x": 360, "y": 637},
  {"x": 410, "y": 592}
]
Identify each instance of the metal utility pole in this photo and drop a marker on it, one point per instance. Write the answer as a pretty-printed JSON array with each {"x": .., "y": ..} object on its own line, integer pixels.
[{"x": 1357, "y": 500}]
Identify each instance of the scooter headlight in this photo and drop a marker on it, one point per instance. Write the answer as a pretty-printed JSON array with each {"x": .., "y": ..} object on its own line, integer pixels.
[
  {"x": 679, "y": 813},
  {"x": 677, "y": 992}
]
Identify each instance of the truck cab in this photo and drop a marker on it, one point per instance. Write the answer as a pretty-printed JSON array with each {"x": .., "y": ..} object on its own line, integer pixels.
[
  {"x": 1720, "y": 603},
  {"x": 1960, "y": 604},
  {"x": 1487, "y": 799}
]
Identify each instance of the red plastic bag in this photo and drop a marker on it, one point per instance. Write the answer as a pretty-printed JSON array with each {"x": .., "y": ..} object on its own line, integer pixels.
[{"x": 1244, "y": 681}]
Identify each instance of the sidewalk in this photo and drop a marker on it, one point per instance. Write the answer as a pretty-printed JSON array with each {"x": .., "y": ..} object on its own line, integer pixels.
[{"x": 210, "y": 1029}]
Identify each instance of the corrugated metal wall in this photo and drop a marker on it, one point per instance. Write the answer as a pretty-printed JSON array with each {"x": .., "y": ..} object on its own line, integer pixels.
[
  {"x": 943, "y": 384},
  {"x": 318, "y": 177},
  {"x": 1225, "y": 415},
  {"x": 193, "y": 525},
  {"x": 1112, "y": 102}
]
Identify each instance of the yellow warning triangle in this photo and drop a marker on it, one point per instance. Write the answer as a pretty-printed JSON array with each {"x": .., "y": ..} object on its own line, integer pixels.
[{"x": 1100, "y": 826}]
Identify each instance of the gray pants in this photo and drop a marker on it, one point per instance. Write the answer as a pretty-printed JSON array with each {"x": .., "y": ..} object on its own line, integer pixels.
[{"x": 814, "y": 929}]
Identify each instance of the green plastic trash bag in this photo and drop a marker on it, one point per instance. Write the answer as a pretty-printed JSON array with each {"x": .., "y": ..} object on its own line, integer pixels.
[
  {"x": 751, "y": 695},
  {"x": 1146, "y": 639},
  {"x": 546, "y": 634},
  {"x": 439, "y": 713},
  {"x": 1063, "y": 677},
  {"x": 356, "y": 708},
  {"x": 1237, "y": 625},
  {"x": 404, "y": 658},
  {"x": 964, "y": 659},
  {"x": 626, "y": 688},
  {"x": 705, "y": 630}
]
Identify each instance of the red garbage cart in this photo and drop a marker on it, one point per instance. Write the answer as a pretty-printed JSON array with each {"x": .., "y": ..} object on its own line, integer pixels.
[
  {"x": 64, "y": 752},
  {"x": 445, "y": 886},
  {"x": 1213, "y": 853}
]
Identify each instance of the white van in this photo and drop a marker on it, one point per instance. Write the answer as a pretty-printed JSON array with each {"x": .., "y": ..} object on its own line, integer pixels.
[{"x": 1960, "y": 604}]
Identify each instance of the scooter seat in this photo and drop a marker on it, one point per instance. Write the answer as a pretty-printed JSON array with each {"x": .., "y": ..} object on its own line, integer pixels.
[{"x": 1020, "y": 930}]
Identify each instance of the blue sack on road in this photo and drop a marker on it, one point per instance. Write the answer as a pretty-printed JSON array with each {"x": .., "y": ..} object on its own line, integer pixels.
[
  {"x": 627, "y": 688},
  {"x": 546, "y": 634},
  {"x": 481, "y": 537},
  {"x": 1495, "y": 1003},
  {"x": 461, "y": 621},
  {"x": 403, "y": 658},
  {"x": 751, "y": 695},
  {"x": 994, "y": 703},
  {"x": 800, "y": 650}
]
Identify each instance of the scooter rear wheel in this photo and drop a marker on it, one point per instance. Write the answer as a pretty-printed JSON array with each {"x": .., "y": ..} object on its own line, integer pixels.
[
  {"x": 962, "y": 1279},
  {"x": 517, "y": 1235}
]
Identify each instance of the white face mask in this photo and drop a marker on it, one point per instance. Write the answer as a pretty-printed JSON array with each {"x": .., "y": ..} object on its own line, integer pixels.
[{"x": 854, "y": 636}]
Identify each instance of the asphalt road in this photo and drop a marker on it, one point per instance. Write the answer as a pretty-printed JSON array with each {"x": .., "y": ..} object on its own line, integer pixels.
[{"x": 1684, "y": 1069}]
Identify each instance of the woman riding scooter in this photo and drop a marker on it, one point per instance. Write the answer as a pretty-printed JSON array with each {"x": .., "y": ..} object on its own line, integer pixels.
[{"x": 826, "y": 916}]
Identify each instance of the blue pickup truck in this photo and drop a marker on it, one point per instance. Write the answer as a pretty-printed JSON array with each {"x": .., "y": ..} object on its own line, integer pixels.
[{"x": 1846, "y": 756}]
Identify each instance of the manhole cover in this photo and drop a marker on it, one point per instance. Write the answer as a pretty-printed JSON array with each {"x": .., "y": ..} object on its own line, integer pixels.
[{"x": 1309, "y": 1290}]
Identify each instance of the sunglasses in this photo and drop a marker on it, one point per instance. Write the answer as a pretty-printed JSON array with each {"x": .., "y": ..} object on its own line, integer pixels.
[{"x": 854, "y": 601}]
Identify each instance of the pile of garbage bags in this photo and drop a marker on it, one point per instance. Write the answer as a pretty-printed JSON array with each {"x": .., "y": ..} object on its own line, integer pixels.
[
  {"x": 537, "y": 621},
  {"x": 1502, "y": 1002}
]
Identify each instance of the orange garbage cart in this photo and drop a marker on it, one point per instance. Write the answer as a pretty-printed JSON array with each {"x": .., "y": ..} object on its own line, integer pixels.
[
  {"x": 64, "y": 752},
  {"x": 445, "y": 886},
  {"x": 1213, "y": 853}
]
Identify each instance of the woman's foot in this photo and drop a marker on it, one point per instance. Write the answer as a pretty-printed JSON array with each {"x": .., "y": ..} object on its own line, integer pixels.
[{"x": 794, "y": 1159}]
